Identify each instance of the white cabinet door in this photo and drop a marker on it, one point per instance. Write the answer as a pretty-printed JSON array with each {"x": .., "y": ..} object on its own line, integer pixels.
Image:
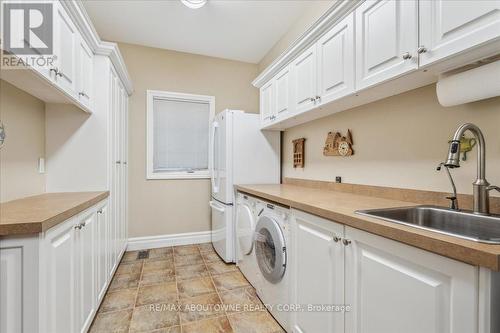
[
  {"x": 317, "y": 272},
  {"x": 304, "y": 80},
  {"x": 65, "y": 43},
  {"x": 267, "y": 105},
  {"x": 102, "y": 245},
  {"x": 386, "y": 40},
  {"x": 283, "y": 94},
  {"x": 85, "y": 237},
  {"x": 85, "y": 70},
  {"x": 59, "y": 281},
  {"x": 336, "y": 61},
  {"x": 450, "y": 27},
  {"x": 397, "y": 288}
]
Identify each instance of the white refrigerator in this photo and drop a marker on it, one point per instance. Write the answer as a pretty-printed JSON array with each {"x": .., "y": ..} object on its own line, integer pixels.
[{"x": 240, "y": 153}]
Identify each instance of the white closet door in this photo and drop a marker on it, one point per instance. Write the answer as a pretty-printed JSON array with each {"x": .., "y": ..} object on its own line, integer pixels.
[{"x": 386, "y": 40}]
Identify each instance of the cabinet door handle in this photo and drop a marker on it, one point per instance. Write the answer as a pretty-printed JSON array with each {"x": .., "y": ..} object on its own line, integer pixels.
[
  {"x": 421, "y": 49},
  {"x": 59, "y": 73},
  {"x": 78, "y": 226},
  {"x": 99, "y": 211},
  {"x": 336, "y": 239},
  {"x": 82, "y": 93},
  {"x": 312, "y": 99},
  {"x": 118, "y": 162},
  {"x": 346, "y": 242},
  {"x": 406, "y": 56}
]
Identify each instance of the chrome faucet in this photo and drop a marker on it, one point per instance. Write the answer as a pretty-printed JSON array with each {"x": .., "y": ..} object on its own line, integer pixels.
[
  {"x": 481, "y": 187},
  {"x": 453, "y": 198}
]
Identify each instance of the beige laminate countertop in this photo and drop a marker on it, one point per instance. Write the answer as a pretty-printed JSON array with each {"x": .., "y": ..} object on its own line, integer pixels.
[
  {"x": 40, "y": 212},
  {"x": 340, "y": 207}
]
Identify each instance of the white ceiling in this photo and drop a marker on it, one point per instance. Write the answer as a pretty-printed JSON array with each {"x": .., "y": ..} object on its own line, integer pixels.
[{"x": 242, "y": 30}]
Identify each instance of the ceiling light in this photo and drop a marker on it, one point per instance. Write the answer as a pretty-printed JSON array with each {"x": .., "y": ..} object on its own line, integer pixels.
[{"x": 194, "y": 4}]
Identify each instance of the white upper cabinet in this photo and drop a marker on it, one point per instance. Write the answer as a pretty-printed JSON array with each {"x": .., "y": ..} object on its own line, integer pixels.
[
  {"x": 317, "y": 272},
  {"x": 267, "y": 102},
  {"x": 336, "y": 61},
  {"x": 85, "y": 71},
  {"x": 395, "y": 288},
  {"x": 304, "y": 80},
  {"x": 283, "y": 93},
  {"x": 386, "y": 40},
  {"x": 450, "y": 27},
  {"x": 65, "y": 49}
]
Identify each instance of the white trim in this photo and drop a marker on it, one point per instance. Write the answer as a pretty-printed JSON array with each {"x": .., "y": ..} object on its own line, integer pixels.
[
  {"x": 334, "y": 14},
  {"x": 151, "y": 242},
  {"x": 150, "y": 95}
]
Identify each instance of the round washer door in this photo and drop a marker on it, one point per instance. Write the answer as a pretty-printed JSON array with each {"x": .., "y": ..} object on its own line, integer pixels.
[
  {"x": 270, "y": 249},
  {"x": 245, "y": 227}
]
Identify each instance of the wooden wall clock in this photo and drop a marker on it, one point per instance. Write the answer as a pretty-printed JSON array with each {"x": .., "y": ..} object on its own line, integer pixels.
[{"x": 338, "y": 145}]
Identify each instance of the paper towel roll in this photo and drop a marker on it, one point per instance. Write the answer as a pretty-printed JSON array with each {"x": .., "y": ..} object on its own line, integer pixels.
[{"x": 469, "y": 86}]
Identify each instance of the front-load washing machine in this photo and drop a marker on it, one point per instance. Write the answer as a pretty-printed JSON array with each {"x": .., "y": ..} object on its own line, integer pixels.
[
  {"x": 271, "y": 244},
  {"x": 247, "y": 210}
]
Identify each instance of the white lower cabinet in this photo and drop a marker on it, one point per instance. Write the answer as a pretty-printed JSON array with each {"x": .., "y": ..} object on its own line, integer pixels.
[
  {"x": 387, "y": 286},
  {"x": 53, "y": 282},
  {"x": 318, "y": 271},
  {"x": 398, "y": 288}
]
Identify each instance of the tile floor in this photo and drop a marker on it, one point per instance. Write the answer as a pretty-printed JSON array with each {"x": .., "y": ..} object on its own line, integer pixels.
[{"x": 181, "y": 289}]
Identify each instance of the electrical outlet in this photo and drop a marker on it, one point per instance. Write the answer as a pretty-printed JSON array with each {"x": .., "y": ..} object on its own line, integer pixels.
[{"x": 338, "y": 179}]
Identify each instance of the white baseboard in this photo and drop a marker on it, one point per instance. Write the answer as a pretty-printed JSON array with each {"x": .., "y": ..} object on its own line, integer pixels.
[{"x": 151, "y": 242}]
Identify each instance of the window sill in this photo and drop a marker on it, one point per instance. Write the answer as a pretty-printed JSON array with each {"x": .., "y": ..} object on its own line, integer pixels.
[{"x": 166, "y": 176}]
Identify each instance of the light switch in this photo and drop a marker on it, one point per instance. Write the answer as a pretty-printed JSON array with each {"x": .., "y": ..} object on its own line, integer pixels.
[{"x": 41, "y": 165}]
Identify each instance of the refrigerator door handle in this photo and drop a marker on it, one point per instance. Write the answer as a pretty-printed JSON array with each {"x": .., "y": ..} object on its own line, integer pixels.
[
  {"x": 216, "y": 207},
  {"x": 215, "y": 188}
]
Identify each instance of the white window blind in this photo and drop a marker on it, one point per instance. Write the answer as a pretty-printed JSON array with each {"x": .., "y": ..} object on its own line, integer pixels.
[{"x": 180, "y": 136}]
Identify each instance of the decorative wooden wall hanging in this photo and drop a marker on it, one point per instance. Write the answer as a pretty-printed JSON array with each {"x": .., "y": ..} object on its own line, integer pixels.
[
  {"x": 298, "y": 153},
  {"x": 338, "y": 145}
]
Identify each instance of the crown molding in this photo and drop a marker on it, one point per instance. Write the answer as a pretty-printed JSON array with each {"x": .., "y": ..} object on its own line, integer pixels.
[
  {"x": 334, "y": 14},
  {"x": 81, "y": 19}
]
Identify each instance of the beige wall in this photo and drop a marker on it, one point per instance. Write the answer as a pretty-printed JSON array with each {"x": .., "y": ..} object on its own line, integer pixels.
[
  {"x": 310, "y": 15},
  {"x": 159, "y": 207},
  {"x": 24, "y": 118},
  {"x": 398, "y": 142}
]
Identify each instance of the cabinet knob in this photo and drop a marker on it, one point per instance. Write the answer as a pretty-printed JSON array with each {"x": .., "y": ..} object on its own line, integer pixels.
[
  {"x": 336, "y": 239},
  {"x": 99, "y": 211},
  {"x": 82, "y": 93},
  {"x": 118, "y": 162},
  {"x": 421, "y": 49},
  {"x": 346, "y": 242},
  {"x": 406, "y": 56},
  {"x": 312, "y": 99},
  {"x": 78, "y": 226}
]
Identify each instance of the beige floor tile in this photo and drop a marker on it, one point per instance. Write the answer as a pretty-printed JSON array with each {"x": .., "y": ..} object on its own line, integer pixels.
[
  {"x": 130, "y": 256},
  {"x": 112, "y": 322},
  {"x": 157, "y": 294},
  {"x": 192, "y": 288},
  {"x": 211, "y": 257},
  {"x": 189, "y": 259},
  {"x": 158, "y": 265},
  {"x": 124, "y": 281},
  {"x": 148, "y": 318},
  {"x": 173, "y": 329},
  {"x": 156, "y": 277},
  {"x": 220, "y": 267},
  {"x": 229, "y": 281},
  {"x": 241, "y": 299},
  {"x": 254, "y": 322},
  {"x": 161, "y": 254},
  {"x": 191, "y": 272},
  {"x": 183, "y": 250},
  {"x": 206, "y": 247},
  {"x": 118, "y": 300},
  {"x": 214, "y": 325},
  {"x": 129, "y": 268},
  {"x": 200, "y": 307}
]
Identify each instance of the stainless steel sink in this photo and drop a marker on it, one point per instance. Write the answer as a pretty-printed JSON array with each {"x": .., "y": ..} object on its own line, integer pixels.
[{"x": 462, "y": 224}]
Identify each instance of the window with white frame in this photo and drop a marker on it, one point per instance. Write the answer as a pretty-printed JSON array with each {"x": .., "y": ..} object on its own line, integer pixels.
[{"x": 178, "y": 135}]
